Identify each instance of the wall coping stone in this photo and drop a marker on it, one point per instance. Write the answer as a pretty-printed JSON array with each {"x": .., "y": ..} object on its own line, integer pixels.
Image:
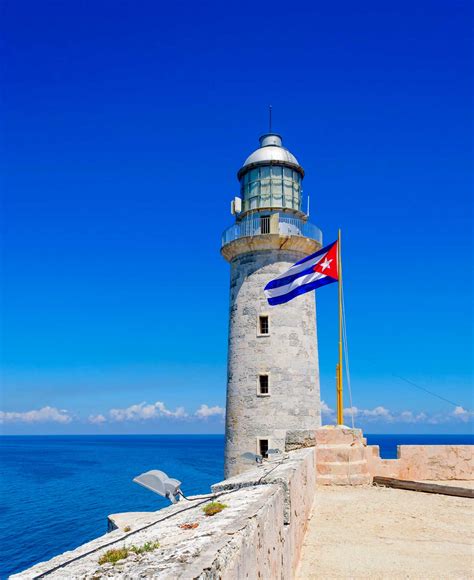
[{"x": 279, "y": 472}]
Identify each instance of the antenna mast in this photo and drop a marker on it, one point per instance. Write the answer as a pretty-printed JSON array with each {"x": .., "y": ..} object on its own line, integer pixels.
[{"x": 270, "y": 119}]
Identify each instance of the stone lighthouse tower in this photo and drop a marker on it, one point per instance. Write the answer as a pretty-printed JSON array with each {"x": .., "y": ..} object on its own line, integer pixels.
[{"x": 273, "y": 370}]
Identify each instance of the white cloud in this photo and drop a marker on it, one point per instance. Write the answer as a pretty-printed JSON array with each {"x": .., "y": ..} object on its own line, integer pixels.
[
  {"x": 43, "y": 415},
  {"x": 97, "y": 419},
  {"x": 145, "y": 411},
  {"x": 462, "y": 414},
  {"x": 179, "y": 413},
  {"x": 410, "y": 417},
  {"x": 326, "y": 409},
  {"x": 204, "y": 411},
  {"x": 378, "y": 413}
]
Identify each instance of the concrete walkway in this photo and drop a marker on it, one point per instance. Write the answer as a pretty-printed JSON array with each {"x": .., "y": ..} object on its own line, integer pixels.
[{"x": 381, "y": 533}]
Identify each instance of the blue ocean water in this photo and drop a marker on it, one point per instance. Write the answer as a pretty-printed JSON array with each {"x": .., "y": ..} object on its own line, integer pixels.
[{"x": 56, "y": 492}]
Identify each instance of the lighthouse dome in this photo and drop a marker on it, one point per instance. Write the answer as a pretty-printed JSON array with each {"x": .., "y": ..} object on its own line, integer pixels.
[{"x": 270, "y": 151}]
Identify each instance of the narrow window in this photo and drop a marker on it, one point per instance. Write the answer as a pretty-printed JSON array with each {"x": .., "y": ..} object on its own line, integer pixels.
[
  {"x": 263, "y": 325},
  {"x": 265, "y": 224},
  {"x": 263, "y": 448},
  {"x": 263, "y": 384}
]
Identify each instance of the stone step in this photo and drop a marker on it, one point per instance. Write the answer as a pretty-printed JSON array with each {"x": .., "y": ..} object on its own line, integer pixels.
[
  {"x": 361, "y": 479},
  {"x": 347, "y": 468},
  {"x": 339, "y": 453}
]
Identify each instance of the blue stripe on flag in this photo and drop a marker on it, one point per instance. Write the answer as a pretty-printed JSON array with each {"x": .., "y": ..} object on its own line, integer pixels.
[
  {"x": 287, "y": 279},
  {"x": 300, "y": 290}
]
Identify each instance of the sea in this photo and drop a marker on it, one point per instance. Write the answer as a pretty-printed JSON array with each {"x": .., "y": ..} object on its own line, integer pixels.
[{"x": 56, "y": 491}]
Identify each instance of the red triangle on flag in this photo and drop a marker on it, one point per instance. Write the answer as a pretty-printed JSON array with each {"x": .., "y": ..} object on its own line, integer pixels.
[{"x": 328, "y": 264}]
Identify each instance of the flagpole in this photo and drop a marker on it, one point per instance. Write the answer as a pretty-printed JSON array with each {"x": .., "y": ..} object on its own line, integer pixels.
[{"x": 340, "y": 412}]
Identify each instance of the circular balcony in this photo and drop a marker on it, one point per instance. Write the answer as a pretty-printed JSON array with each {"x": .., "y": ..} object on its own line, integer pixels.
[{"x": 271, "y": 231}]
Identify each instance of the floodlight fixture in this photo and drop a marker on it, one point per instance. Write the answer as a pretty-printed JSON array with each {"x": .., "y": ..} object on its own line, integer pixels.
[
  {"x": 273, "y": 452},
  {"x": 253, "y": 457},
  {"x": 276, "y": 454},
  {"x": 159, "y": 482}
]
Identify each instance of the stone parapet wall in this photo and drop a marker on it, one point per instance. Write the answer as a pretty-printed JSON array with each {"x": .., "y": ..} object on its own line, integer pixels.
[
  {"x": 424, "y": 462},
  {"x": 295, "y": 476},
  {"x": 258, "y": 535}
]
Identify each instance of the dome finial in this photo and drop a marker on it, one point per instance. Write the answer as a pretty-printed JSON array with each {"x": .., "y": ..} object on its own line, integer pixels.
[
  {"x": 270, "y": 119},
  {"x": 270, "y": 139}
]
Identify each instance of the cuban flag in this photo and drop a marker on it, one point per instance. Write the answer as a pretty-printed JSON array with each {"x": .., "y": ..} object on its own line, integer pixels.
[{"x": 308, "y": 274}]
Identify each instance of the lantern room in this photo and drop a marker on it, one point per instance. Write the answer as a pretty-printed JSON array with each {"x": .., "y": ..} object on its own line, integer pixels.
[{"x": 271, "y": 177}]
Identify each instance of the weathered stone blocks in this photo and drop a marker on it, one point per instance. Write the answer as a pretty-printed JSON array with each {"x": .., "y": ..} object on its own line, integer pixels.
[
  {"x": 300, "y": 438},
  {"x": 341, "y": 457},
  {"x": 424, "y": 462},
  {"x": 333, "y": 435},
  {"x": 341, "y": 453}
]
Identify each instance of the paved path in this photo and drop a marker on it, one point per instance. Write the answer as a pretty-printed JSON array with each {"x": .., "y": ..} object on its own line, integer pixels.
[{"x": 380, "y": 533}]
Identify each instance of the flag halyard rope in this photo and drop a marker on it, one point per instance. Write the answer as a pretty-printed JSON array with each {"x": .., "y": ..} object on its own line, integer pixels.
[{"x": 346, "y": 357}]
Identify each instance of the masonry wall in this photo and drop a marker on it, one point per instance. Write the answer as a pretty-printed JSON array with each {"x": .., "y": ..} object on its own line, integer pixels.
[
  {"x": 289, "y": 356},
  {"x": 259, "y": 534},
  {"x": 424, "y": 462}
]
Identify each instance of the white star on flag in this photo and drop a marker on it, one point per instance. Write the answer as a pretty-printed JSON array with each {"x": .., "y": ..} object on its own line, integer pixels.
[{"x": 325, "y": 264}]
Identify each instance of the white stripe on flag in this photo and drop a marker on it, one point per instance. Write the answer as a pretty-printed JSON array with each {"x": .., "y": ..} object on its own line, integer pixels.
[
  {"x": 274, "y": 292},
  {"x": 301, "y": 267}
]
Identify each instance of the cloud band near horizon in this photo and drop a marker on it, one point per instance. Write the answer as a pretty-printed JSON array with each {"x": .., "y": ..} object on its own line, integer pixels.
[{"x": 142, "y": 412}]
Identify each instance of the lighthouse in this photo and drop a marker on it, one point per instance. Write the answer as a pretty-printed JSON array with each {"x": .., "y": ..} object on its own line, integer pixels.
[{"x": 273, "y": 370}]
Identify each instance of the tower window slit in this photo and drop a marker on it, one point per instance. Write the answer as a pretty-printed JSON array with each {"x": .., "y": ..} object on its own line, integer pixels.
[
  {"x": 263, "y": 384},
  {"x": 263, "y": 448},
  {"x": 263, "y": 325},
  {"x": 265, "y": 224}
]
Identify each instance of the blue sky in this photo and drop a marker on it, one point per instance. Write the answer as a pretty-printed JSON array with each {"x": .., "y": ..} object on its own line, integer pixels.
[{"x": 124, "y": 125}]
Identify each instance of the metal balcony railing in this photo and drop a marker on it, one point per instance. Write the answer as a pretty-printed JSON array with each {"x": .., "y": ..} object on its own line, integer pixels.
[{"x": 280, "y": 223}]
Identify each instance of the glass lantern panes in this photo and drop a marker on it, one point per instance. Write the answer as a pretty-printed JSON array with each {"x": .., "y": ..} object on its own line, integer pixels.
[
  {"x": 264, "y": 172},
  {"x": 271, "y": 186}
]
